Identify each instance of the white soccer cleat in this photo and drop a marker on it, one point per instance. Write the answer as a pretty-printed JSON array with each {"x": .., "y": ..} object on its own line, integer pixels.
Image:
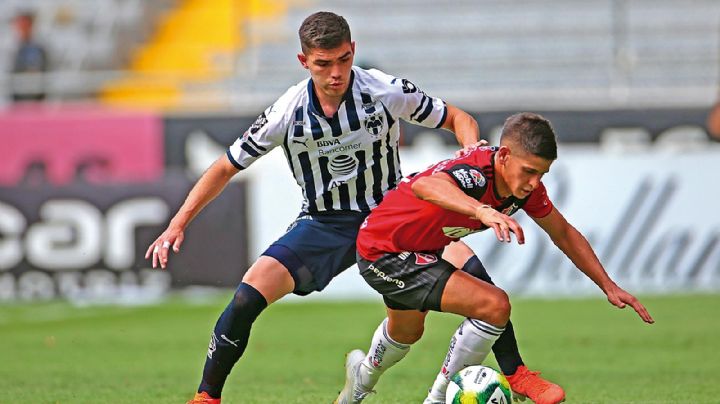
[
  {"x": 353, "y": 392},
  {"x": 429, "y": 400}
]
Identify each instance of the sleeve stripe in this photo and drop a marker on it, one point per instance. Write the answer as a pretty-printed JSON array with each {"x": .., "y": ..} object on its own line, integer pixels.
[
  {"x": 249, "y": 150},
  {"x": 444, "y": 115},
  {"x": 233, "y": 161},
  {"x": 427, "y": 111},
  {"x": 422, "y": 102},
  {"x": 257, "y": 146}
]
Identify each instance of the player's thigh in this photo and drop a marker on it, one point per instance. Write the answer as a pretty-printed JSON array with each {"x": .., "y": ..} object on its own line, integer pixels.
[
  {"x": 315, "y": 249},
  {"x": 457, "y": 253},
  {"x": 406, "y": 326},
  {"x": 270, "y": 278},
  {"x": 471, "y": 297}
]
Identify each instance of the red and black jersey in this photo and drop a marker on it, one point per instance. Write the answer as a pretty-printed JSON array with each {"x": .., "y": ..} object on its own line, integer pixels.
[{"x": 403, "y": 222}]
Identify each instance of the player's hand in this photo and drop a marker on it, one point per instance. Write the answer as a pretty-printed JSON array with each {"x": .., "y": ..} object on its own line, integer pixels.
[
  {"x": 501, "y": 223},
  {"x": 159, "y": 250},
  {"x": 620, "y": 298},
  {"x": 471, "y": 147}
]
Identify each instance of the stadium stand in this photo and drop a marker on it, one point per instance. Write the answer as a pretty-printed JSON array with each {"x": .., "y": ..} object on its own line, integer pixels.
[
  {"x": 87, "y": 41},
  {"x": 491, "y": 54}
]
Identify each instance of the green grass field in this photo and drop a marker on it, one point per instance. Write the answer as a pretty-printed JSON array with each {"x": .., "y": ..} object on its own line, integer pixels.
[{"x": 56, "y": 353}]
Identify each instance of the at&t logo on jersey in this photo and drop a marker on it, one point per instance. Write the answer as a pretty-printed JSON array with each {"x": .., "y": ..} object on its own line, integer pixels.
[{"x": 343, "y": 164}]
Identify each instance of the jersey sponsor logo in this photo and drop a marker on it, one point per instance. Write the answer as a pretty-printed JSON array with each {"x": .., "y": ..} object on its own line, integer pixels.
[
  {"x": 258, "y": 124},
  {"x": 463, "y": 176},
  {"x": 382, "y": 275},
  {"x": 343, "y": 164},
  {"x": 375, "y": 124},
  {"x": 425, "y": 259},
  {"x": 338, "y": 147},
  {"x": 458, "y": 232},
  {"x": 323, "y": 143},
  {"x": 404, "y": 255}
]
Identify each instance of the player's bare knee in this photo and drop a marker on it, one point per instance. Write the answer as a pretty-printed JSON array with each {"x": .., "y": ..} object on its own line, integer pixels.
[
  {"x": 457, "y": 253},
  {"x": 496, "y": 310}
]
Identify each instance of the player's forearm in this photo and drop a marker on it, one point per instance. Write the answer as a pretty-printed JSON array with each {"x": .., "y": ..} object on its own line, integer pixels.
[
  {"x": 445, "y": 195},
  {"x": 208, "y": 187},
  {"x": 578, "y": 250},
  {"x": 463, "y": 125}
]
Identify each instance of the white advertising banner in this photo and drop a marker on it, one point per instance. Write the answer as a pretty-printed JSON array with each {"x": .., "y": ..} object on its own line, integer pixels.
[{"x": 653, "y": 217}]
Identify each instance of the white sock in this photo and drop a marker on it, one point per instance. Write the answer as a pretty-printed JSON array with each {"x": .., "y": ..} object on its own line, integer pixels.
[
  {"x": 469, "y": 346},
  {"x": 384, "y": 352}
]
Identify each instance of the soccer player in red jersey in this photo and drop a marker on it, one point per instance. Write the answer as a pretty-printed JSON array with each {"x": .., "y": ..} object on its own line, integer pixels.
[{"x": 400, "y": 244}]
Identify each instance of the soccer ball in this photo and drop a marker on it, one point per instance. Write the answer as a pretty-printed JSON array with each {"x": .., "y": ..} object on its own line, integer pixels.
[{"x": 478, "y": 385}]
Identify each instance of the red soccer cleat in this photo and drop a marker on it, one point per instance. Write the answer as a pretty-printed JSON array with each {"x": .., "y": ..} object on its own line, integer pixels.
[
  {"x": 525, "y": 383},
  {"x": 203, "y": 398}
]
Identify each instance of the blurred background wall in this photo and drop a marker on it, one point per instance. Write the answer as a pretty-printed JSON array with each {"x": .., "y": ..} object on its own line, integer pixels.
[{"x": 111, "y": 109}]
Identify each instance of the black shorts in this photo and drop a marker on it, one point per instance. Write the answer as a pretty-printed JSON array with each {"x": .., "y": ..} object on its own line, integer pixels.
[{"x": 408, "y": 281}]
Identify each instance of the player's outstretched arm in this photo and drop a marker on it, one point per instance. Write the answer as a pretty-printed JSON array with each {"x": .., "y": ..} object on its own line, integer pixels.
[
  {"x": 577, "y": 248},
  {"x": 465, "y": 128},
  {"x": 209, "y": 186},
  {"x": 442, "y": 190}
]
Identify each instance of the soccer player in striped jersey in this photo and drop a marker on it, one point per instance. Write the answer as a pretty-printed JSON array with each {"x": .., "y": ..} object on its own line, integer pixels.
[
  {"x": 400, "y": 243},
  {"x": 339, "y": 131}
]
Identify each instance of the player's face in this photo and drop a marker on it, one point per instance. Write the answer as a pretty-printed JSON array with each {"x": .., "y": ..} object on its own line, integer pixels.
[
  {"x": 522, "y": 172},
  {"x": 330, "y": 68}
]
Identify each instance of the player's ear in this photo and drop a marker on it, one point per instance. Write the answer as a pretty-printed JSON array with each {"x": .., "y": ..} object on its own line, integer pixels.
[
  {"x": 503, "y": 154},
  {"x": 352, "y": 46},
  {"x": 303, "y": 60}
]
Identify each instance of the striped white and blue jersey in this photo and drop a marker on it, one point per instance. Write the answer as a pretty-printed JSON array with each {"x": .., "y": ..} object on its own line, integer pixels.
[{"x": 347, "y": 162}]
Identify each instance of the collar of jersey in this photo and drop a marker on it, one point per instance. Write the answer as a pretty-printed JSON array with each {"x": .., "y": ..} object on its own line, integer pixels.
[
  {"x": 312, "y": 98},
  {"x": 494, "y": 185}
]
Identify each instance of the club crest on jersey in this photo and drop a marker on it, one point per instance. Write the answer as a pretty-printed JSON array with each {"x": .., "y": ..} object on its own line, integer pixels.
[
  {"x": 425, "y": 259},
  {"x": 375, "y": 124},
  {"x": 510, "y": 209}
]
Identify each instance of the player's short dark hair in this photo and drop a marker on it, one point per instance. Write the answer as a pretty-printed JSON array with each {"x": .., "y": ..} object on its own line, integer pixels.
[
  {"x": 324, "y": 30},
  {"x": 532, "y": 132}
]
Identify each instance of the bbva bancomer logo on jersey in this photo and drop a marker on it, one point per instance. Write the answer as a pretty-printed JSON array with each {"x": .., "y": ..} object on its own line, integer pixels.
[{"x": 333, "y": 150}]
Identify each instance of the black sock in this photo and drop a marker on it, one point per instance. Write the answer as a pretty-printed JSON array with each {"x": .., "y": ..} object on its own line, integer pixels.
[
  {"x": 505, "y": 348},
  {"x": 230, "y": 337}
]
